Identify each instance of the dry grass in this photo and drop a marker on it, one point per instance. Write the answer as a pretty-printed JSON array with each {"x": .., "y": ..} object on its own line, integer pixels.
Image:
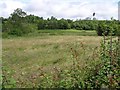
[{"x": 25, "y": 56}]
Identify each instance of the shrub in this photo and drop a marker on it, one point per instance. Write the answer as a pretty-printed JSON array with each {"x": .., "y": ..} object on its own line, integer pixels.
[
  {"x": 107, "y": 28},
  {"x": 102, "y": 27},
  {"x": 106, "y": 74},
  {"x": 18, "y": 30}
]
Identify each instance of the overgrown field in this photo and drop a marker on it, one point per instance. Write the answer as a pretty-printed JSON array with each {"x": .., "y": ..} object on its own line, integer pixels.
[
  {"x": 49, "y": 61},
  {"x": 70, "y": 54},
  {"x": 23, "y": 57}
]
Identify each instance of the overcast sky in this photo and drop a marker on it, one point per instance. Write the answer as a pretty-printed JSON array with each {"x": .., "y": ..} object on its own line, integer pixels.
[{"x": 73, "y": 9}]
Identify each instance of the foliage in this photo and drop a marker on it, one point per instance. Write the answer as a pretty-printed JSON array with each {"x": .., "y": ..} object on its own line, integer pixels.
[
  {"x": 107, "y": 27},
  {"x": 17, "y": 25},
  {"x": 7, "y": 82},
  {"x": 20, "y": 23},
  {"x": 106, "y": 74},
  {"x": 102, "y": 27}
]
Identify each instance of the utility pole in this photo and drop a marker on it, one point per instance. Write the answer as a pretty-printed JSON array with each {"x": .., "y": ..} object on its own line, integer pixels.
[{"x": 118, "y": 31}]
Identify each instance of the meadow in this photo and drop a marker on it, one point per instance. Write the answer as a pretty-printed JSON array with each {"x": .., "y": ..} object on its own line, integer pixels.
[
  {"x": 59, "y": 53},
  {"x": 24, "y": 56},
  {"x": 26, "y": 59}
]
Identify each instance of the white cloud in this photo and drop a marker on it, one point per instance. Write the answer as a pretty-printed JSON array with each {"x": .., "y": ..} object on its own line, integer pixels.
[
  {"x": 63, "y": 8},
  {"x": 8, "y": 6}
]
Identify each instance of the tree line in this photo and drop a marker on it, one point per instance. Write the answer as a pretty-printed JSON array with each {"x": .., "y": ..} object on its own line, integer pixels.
[{"x": 19, "y": 23}]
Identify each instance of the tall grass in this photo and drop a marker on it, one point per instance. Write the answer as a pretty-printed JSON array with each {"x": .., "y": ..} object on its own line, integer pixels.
[
  {"x": 105, "y": 74},
  {"x": 97, "y": 69},
  {"x": 23, "y": 58}
]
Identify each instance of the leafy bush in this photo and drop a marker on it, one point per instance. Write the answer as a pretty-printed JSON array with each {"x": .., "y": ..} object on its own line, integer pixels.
[
  {"x": 106, "y": 28},
  {"x": 17, "y": 24},
  {"x": 103, "y": 28},
  {"x": 19, "y": 30},
  {"x": 106, "y": 74}
]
